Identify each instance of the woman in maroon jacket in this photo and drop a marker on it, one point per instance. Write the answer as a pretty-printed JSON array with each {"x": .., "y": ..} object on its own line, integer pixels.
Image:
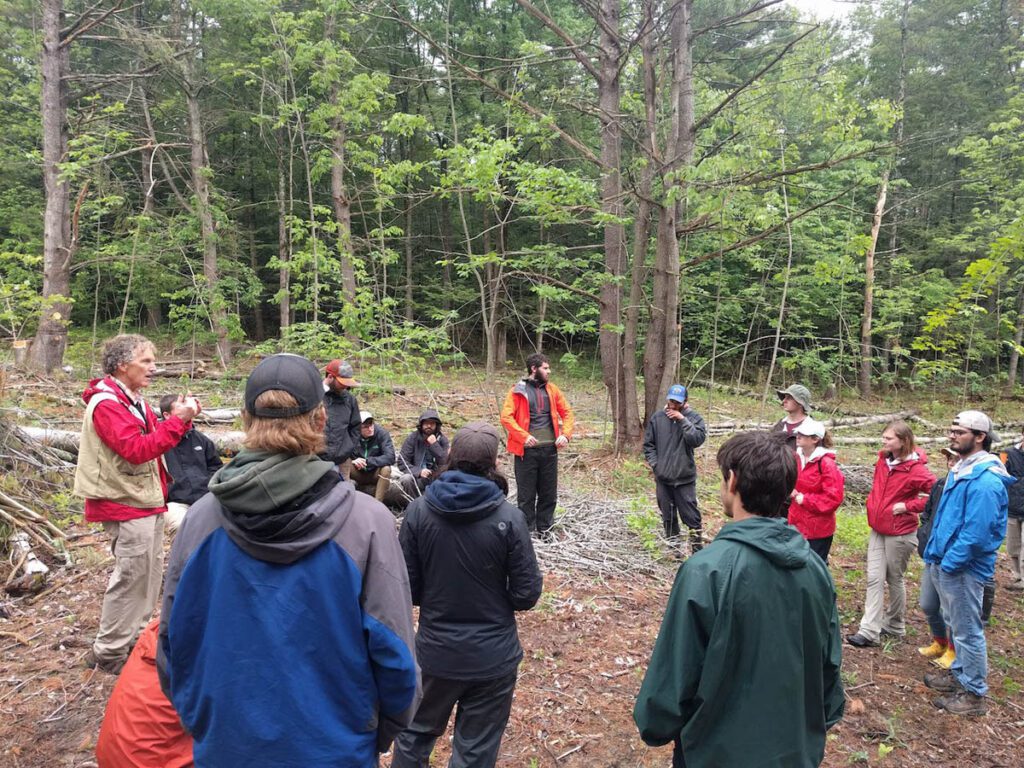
[
  {"x": 898, "y": 495},
  {"x": 819, "y": 487}
]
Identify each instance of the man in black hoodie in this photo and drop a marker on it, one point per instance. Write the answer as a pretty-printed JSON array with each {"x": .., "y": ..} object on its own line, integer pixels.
[
  {"x": 342, "y": 429},
  {"x": 471, "y": 566},
  {"x": 285, "y": 586},
  {"x": 422, "y": 453},
  {"x": 191, "y": 464}
]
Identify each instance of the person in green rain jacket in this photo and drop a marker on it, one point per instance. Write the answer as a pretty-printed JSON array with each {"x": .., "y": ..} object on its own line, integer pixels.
[{"x": 745, "y": 670}]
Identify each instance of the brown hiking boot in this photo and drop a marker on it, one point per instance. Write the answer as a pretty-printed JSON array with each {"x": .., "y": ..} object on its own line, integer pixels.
[
  {"x": 113, "y": 667},
  {"x": 943, "y": 682},
  {"x": 963, "y": 703}
]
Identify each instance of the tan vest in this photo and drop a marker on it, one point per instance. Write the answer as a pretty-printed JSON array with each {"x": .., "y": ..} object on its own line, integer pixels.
[{"x": 102, "y": 474}]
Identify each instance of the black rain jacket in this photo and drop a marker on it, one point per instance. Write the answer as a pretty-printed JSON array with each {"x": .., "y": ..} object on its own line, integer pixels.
[{"x": 471, "y": 566}]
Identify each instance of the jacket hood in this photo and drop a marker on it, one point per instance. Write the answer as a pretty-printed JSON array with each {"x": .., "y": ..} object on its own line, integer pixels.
[
  {"x": 278, "y": 507},
  {"x": 429, "y": 414},
  {"x": 783, "y": 545},
  {"x": 920, "y": 458},
  {"x": 106, "y": 386},
  {"x": 982, "y": 462},
  {"x": 816, "y": 455},
  {"x": 462, "y": 497}
]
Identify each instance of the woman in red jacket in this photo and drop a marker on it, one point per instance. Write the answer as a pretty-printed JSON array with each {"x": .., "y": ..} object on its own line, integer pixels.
[
  {"x": 819, "y": 487},
  {"x": 898, "y": 495}
]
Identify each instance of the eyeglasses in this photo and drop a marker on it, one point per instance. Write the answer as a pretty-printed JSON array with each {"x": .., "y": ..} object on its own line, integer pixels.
[{"x": 959, "y": 432}]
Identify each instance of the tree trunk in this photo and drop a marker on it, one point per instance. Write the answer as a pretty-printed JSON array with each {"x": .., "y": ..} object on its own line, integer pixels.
[
  {"x": 661, "y": 357},
  {"x": 864, "y": 376},
  {"x": 642, "y": 224},
  {"x": 1018, "y": 337},
  {"x": 200, "y": 184},
  {"x": 621, "y": 390},
  {"x": 47, "y": 352},
  {"x": 283, "y": 242},
  {"x": 409, "y": 313}
]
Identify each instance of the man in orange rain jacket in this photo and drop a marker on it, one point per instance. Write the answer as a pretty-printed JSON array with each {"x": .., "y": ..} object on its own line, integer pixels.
[{"x": 539, "y": 423}]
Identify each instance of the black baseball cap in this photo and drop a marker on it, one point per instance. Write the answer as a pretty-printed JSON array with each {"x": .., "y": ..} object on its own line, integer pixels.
[{"x": 289, "y": 373}]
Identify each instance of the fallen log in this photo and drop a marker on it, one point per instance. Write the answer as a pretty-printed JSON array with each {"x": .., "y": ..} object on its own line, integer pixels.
[{"x": 67, "y": 440}]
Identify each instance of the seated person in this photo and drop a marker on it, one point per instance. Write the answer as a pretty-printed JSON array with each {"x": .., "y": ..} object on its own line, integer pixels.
[
  {"x": 372, "y": 459},
  {"x": 140, "y": 727},
  {"x": 191, "y": 464},
  {"x": 422, "y": 452}
]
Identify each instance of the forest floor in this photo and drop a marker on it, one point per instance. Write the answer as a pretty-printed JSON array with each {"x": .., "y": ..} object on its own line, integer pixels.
[{"x": 586, "y": 643}]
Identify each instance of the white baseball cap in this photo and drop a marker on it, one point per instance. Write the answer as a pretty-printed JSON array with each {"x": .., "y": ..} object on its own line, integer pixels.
[
  {"x": 365, "y": 416},
  {"x": 811, "y": 428}
]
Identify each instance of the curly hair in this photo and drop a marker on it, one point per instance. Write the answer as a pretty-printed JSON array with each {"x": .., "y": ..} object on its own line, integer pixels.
[{"x": 121, "y": 350}]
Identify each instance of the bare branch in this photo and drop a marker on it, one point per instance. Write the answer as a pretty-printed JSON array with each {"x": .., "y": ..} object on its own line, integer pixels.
[
  {"x": 562, "y": 35},
  {"x": 737, "y": 91},
  {"x": 569, "y": 139},
  {"x": 764, "y": 233},
  {"x": 759, "y": 6},
  {"x": 80, "y": 27}
]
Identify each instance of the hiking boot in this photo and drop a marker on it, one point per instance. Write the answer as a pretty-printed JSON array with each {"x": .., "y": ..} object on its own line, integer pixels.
[
  {"x": 943, "y": 682},
  {"x": 963, "y": 703},
  {"x": 696, "y": 540},
  {"x": 933, "y": 651},
  {"x": 111, "y": 667},
  {"x": 857, "y": 640},
  {"x": 885, "y": 634},
  {"x": 945, "y": 661}
]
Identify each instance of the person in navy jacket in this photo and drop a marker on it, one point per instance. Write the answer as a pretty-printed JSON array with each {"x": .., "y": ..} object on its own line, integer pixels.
[{"x": 286, "y": 630}]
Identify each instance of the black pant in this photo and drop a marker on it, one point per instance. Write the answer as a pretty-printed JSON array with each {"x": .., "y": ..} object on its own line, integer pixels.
[
  {"x": 821, "y": 547},
  {"x": 537, "y": 485},
  {"x": 675, "y": 502},
  {"x": 480, "y": 719}
]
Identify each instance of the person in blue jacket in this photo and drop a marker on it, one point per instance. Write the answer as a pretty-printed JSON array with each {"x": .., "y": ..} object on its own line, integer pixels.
[
  {"x": 286, "y": 635},
  {"x": 968, "y": 529}
]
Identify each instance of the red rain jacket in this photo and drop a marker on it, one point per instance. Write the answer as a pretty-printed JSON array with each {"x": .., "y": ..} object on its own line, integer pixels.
[
  {"x": 821, "y": 484},
  {"x": 908, "y": 482}
]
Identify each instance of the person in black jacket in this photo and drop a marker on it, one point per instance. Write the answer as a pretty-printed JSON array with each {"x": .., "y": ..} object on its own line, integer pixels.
[
  {"x": 342, "y": 430},
  {"x": 191, "y": 464},
  {"x": 374, "y": 455},
  {"x": 1014, "y": 461},
  {"x": 422, "y": 453},
  {"x": 669, "y": 440},
  {"x": 941, "y": 650},
  {"x": 471, "y": 566}
]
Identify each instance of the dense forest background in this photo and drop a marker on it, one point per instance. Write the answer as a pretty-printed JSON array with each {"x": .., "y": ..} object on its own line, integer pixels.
[{"x": 675, "y": 189}]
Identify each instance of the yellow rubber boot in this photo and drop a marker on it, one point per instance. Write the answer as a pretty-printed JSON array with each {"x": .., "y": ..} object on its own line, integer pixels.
[
  {"x": 945, "y": 661},
  {"x": 933, "y": 651}
]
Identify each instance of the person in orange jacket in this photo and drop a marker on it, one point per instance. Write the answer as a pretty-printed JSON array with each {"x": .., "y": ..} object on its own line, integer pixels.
[
  {"x": 140, "y": 727},
  {"x": 539, "y": 423}
]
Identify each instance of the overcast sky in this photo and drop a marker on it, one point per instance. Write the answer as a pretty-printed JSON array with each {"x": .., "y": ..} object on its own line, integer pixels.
[{"x": 823, "y": 9}]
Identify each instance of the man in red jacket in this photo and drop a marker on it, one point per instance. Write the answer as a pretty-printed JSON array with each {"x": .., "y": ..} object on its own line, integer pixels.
[{"x": 124, "y": 484}]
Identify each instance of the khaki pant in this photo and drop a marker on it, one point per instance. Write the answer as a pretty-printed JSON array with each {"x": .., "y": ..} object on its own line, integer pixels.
[
  {"x": 887, "y": 562},
  {"x": 374, "y": 482},
  {"x": 128, "y": 603},
  {"x": 1013, "y": 544}
]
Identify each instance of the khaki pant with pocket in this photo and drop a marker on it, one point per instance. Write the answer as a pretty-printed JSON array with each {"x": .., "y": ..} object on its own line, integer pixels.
[
  {"x": 128, "y": 603},
  {"x": 887, "y": 563}
]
